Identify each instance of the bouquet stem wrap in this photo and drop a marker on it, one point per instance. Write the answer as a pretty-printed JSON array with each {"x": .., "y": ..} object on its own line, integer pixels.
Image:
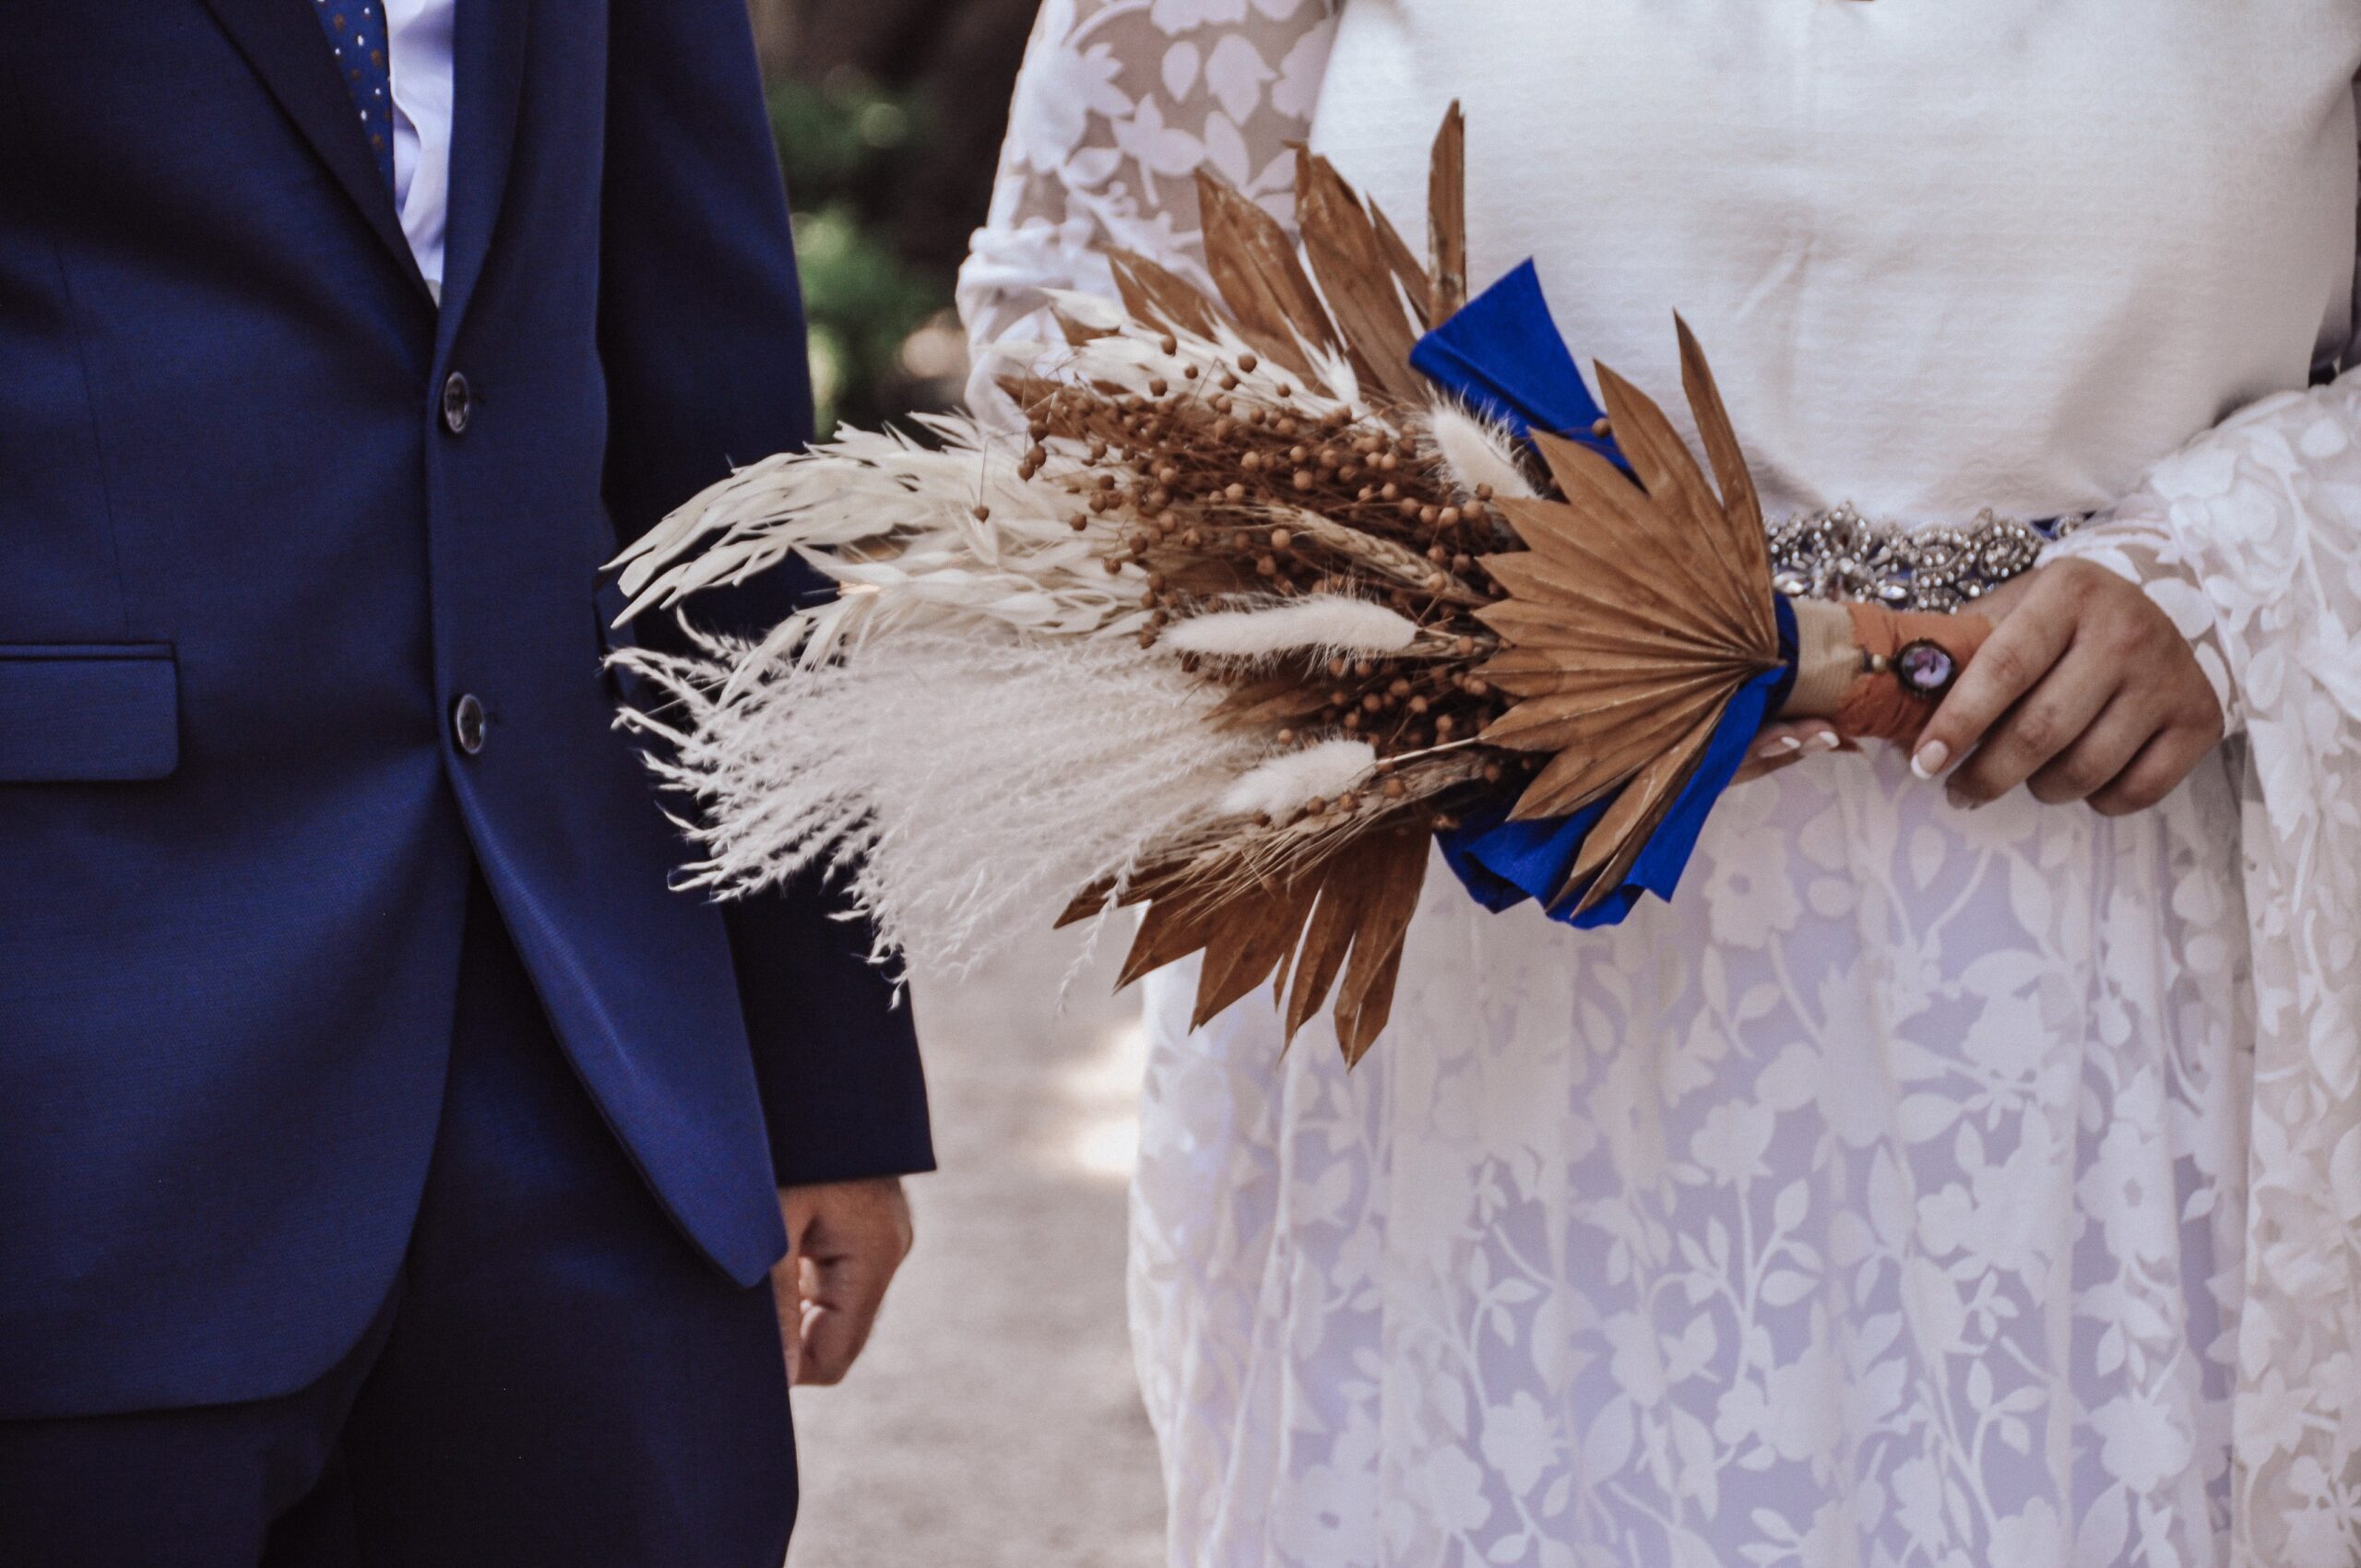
[{"x": 1850, "y": 667}]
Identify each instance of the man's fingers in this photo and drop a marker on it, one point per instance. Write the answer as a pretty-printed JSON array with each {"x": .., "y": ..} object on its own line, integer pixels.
[
  {"x": 837, "y": 1315},
  {"x": 2096, "y": 757},
  {"x": 849, "y": 1238},
  {"x": 2021, "y": 650},
  {"x": 2042, "y": 723},
  {"x": 787, "y": 1303}
]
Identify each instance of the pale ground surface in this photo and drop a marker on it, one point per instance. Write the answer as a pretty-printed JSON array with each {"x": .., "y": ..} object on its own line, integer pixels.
[{"x": 994, "y": 1422}]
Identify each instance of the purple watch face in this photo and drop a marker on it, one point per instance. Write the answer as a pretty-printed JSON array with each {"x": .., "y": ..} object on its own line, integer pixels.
[{"x": 1926, "y": 669}]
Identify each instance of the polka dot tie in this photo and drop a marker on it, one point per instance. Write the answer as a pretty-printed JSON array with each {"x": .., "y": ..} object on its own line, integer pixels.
[{"x": 356, "y": 31}]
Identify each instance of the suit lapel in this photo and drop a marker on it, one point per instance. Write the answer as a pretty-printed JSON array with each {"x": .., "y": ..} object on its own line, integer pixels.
[
  {"x": 282, "y": 42},
  {"x": 488, "y": 72}
]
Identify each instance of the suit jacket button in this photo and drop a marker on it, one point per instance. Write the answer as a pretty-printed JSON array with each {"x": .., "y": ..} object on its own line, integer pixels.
[
  {"x": 467, "y": 723},
  {"x": 459, "y": 401}
]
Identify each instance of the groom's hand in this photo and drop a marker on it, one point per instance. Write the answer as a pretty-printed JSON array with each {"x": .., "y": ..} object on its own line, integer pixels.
[{"x": 845, "y": 1240}]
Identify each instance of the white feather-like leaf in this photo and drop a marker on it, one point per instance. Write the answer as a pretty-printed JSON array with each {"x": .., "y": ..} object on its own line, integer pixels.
[
  {"x": 1477, "y": 451},
  {"x": 1317, "y": 623},
  {"x": 1285, "y": 784},
  {"x": 962, "y": 781}
]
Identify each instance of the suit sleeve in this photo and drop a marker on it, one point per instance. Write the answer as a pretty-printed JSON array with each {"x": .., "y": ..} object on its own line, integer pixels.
[{"x": 702, "y": 336}]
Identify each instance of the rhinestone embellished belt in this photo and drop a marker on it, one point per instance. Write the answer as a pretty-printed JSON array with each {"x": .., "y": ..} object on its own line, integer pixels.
[{"x": 1840, "y": 554}]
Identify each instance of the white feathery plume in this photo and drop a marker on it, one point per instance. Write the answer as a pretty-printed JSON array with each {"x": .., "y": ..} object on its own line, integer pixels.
[
  {"x": 1477, "y": 451},
  {"x": 1286, "y": 783},
  {"x": 1318, "y": 623},
  {"x": 882, "y": 511},
  {"x": 898, "y": 523},
  {"x": 962, "y": 783}
]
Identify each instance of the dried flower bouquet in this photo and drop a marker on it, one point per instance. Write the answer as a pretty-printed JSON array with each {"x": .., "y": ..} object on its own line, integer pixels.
[{"x": 1264, "y": 598}]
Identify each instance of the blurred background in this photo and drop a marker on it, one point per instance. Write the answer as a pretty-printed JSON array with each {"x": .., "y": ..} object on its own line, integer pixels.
[
  {"x": 994, "y": 1422},
  {"x": 889, "y": 115}
]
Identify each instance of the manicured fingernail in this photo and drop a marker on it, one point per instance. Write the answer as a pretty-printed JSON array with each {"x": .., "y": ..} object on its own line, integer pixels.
[
  {"x": 1779, "y": 746},
  {"x": 1959, "y": 801},
  {"x": 1929, "y": 759},
  {"x": 1825, "y": 741}
]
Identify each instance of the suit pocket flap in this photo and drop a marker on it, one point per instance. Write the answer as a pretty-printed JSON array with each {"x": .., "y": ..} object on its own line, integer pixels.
[{"x": 88, "y": 714}]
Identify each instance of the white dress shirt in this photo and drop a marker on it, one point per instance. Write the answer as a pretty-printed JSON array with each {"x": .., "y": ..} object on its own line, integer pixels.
[{"x": 420, "y": 62}]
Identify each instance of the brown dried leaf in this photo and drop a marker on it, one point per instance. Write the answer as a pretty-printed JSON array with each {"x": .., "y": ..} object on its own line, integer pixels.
[
  {"x": 1170, "y": 930},
  {"x": 1538, "y": 669},
  {"x": 1530, "y": 624},
  {"x": 1575, "y": 779},
  {"x": 1256, "y": 934},
  {"x": 1412, "y": 277},
  {"x": 1603, "y": 590},
  {"x": 1615, "y": 845},
  {"x": 1087, "y": 904},
  {"x": 1159, "y": 297},
  {"x": 1447, "y": 218},
  {"x": 1745, "y": 537},
  {"x": 1676, "y": 485},
  {"x": 1356, "y": 279},
  {"x": 1366, "y": 999},
  {"x": 1596, "y": 728},
  {"x": 1254, "y": 266},
  {"x": 1348, "y": 887}
]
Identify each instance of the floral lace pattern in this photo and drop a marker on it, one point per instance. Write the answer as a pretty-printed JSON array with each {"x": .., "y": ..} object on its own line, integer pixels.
[
  {"x": 1120, "y": 105},
  {"x": 1921, "y": 1188},
  {"x": 2256, "y": 530},
  {"x": 1882, "y": 1201}
]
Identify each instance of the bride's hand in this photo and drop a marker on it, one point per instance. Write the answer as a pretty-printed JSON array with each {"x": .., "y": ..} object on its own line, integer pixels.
[
  {"x": 2085, "y": 692},
  {"x": 1783, "y": 742}
]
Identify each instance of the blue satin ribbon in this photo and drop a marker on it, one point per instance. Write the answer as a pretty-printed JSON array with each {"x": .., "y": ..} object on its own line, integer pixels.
[
  {"x": 1504, "y": 355},
  {"x": 1503, "y": 863}
]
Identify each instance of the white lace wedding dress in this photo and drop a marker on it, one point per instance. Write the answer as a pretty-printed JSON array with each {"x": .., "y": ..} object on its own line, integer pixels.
[{"x": 1906, "y": 1192}]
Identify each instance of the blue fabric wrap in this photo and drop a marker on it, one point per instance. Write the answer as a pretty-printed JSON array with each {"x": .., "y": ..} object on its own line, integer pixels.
[
  {"x": 1502, "y": 353},
  {"x": 1503, "y": 863}
]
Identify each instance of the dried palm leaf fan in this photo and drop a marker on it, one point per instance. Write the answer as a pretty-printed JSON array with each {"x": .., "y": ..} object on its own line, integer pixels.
[{"x": 1278, "y": 588}]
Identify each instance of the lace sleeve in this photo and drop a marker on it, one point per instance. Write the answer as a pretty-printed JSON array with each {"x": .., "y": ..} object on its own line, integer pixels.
[
  {"x": 2252, "y": 539},
  {"x": 1119, "y": 103}
]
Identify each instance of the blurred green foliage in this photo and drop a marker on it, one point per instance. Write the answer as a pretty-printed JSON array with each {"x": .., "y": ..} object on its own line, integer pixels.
[{"x": 842, "y": 144}]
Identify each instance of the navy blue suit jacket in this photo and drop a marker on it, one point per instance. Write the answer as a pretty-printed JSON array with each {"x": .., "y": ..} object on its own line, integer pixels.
[{"x": 247, "y": 569}]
